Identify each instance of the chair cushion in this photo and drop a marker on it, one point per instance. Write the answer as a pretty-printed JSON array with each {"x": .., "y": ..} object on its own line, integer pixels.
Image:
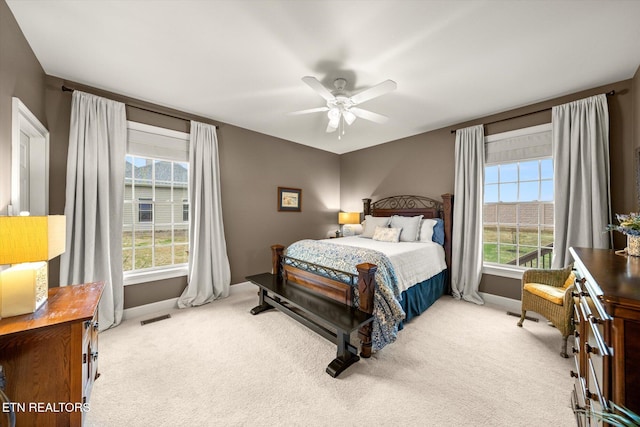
[
  {"x": 570, "y": 280},
  {"x": 550, "y": 293}
]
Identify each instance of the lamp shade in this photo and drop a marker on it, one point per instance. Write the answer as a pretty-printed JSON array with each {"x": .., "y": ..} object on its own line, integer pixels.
[
  {"x": 349, "y": 218},
  {"x": 31, "y": 238}
]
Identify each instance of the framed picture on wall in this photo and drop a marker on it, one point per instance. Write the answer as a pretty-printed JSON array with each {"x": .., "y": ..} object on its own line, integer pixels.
[{"x": 289, "y": 199}]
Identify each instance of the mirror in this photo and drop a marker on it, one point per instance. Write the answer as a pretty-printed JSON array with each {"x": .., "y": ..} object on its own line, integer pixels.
[{"x": 29, "y": 162}]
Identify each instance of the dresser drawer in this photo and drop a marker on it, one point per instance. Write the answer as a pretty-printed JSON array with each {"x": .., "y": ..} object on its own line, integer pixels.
[
  {"x": 609, "y": 343},
  {"x": 89, "y": 356},
  {"x": 595, "y": 380},
  {"x": 578, "y": 406}
]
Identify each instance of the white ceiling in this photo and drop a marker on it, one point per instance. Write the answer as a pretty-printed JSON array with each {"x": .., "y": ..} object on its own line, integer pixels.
[{"x": 240, "y": 62}]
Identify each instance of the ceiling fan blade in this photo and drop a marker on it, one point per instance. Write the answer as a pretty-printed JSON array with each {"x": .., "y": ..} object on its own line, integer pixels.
[
  {"x": 368, "y": 115},
  {"x": 375, "y": 91},
  {"x": 318, "y": 87},
  {"x": 311, "y": 110}
]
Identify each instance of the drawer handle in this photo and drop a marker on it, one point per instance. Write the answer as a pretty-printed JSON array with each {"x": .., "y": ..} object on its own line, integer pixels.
[
  {"x": 593, "y": 350},
  {"x": 574, "y": 374},
  {"x": 94, "y": 355},
  {"x": 594, "y": 320},
  {"x": 95, "y": 326},
  {"x": 591, "y": 395},
  {"x": 575, "y": 350}
]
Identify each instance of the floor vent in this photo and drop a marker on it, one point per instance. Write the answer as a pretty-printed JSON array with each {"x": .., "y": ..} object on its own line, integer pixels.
[{"x": 155, "y": 319}]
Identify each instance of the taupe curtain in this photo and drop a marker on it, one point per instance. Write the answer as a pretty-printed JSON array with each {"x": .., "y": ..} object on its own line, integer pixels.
[
  {"x": 209, "y": 271},
  {"x": 94, "y": 200},
  {"x": 580, "y": 137},
  {"x": 466, "y": 268}
]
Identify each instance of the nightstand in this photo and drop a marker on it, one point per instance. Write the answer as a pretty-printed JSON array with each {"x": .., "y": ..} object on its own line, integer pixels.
[{"x": 50, "y": 357}]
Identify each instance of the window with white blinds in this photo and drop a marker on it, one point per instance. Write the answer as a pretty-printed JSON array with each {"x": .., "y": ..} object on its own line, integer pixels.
[{"x": 518, "y": 198}]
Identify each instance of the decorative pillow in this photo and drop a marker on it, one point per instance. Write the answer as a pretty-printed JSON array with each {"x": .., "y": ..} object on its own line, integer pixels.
[
  {"x": 386, "y": 234},
  {"x": 371, "y": 222},
  {"x": 438, "y": 231},
  {"x": 432, "y": 230},
  {"x": 426, "y": 230},
  {"x": 410, "y": 226}
]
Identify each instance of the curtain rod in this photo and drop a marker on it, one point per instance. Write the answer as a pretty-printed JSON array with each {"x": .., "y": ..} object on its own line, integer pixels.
[
  {"x": 611, "y": 93},
  {"x": 66, "y": 89}
]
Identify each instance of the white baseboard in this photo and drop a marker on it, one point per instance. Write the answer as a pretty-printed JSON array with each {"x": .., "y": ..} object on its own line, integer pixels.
[
  {"x": 147, "y": 309},
  {"x": 169, "y": 304},
  {"x": 508, "y": 304}
]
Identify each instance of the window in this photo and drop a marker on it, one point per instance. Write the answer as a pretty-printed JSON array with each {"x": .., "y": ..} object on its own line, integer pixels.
[
  {"x": 185, "y": 210},
  {"x": 518, "y": 199},
  {"x": 145, "y": 210},
  {"x": 156, "y": 219}
]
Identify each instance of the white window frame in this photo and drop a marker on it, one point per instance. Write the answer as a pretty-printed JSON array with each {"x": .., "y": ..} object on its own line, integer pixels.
[
  {"x": 145, "y": 201},
  {"x": 176, "y": 270},
  {"x": 513, "y": 272}
]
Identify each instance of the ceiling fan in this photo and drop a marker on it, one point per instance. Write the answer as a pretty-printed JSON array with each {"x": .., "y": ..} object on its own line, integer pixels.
[{"x": 343, "y": 108}]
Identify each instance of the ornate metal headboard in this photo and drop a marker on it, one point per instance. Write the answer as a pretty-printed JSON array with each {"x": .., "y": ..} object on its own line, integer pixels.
[{"x": 404, "y": 205}]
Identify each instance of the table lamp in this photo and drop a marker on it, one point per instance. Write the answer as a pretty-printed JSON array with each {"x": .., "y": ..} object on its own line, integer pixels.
[
  {"x": 27, "y": 242},
  {"x": 347, "y": 218}
]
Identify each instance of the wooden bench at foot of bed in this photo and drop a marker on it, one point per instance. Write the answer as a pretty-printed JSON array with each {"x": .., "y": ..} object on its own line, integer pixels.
[{"x": 329, "y": 318}]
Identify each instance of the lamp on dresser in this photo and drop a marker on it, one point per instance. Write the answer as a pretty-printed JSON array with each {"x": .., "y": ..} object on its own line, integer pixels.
[{"x": 28, "y": 243}]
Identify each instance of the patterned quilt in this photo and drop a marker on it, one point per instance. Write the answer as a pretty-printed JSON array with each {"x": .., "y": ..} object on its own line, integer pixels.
[{"x": 387, "y": 311}]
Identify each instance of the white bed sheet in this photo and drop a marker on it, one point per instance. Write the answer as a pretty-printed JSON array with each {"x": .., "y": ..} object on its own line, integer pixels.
[{"x": 413, "y": 262}]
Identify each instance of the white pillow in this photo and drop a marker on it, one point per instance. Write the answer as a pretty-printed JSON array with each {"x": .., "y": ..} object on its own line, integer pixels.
[
  {"x": 351, "y": 230},
  {"x": 426, "y": 230},
  {"x": 410, "y": 226},
  {"x": 386, "y": 234},
  {"x": 371, "y": 222}
]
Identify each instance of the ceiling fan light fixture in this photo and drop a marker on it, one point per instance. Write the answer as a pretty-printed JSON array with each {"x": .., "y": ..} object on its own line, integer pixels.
[
  {"x": 341, "y": 107},
  {"x": 349, "y": 117}
]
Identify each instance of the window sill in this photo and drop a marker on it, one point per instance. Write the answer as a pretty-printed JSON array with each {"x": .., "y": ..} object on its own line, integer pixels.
[
  {"x": 503, "y": 271},
  {"x": 133, "y": 278}
]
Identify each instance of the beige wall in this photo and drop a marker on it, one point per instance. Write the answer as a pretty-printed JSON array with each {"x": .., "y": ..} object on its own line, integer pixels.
[
  {"x": 21, "y": 76},
  {"x": 252, "y": 166},
  {"x": 423, "y": 164}
]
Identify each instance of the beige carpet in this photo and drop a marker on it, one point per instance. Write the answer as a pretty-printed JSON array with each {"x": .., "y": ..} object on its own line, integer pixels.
[{"x": 456, "y": 365}]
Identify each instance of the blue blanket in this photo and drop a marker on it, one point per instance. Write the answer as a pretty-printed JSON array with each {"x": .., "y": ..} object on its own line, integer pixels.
[{"x": 387, "y": 310}]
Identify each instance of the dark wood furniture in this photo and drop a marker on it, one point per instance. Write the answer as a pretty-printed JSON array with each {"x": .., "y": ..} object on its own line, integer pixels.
[
  {"x": 329, "y": 318},
  {"x": 341, "y": 292},
  {"x": 607, "y": 336},
  {"x": 50, "y": 357}
]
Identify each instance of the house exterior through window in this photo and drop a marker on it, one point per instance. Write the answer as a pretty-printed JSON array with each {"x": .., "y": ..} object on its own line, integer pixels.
[{"x": 156, "y": 204}]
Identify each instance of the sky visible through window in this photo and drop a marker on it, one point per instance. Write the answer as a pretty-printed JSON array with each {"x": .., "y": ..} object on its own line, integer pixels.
[{"x": 527, "y": 181}]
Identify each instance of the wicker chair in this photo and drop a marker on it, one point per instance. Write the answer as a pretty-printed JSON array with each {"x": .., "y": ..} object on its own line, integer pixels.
[{"x": 549, "y": 293}]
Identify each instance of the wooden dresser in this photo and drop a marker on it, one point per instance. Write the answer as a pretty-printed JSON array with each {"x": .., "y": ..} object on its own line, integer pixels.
[
  {"x": 50, "y": 357},
  {"x": 607, "y": 337}
]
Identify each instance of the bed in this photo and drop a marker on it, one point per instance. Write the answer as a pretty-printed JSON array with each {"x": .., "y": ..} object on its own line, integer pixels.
[{"x": 390, "y": 282}]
